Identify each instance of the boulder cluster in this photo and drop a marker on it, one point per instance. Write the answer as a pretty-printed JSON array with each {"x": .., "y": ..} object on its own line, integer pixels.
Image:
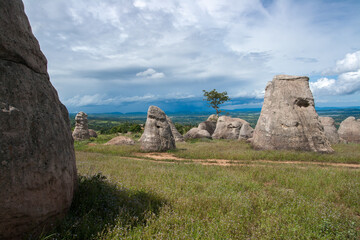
[{"x": 37, "y": 160}]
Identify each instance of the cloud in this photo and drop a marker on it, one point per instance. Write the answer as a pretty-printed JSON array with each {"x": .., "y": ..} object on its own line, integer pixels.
[
  {"x": 350, "y": 63},
  {"x": 150, "y": 73},
  {"x": 346, "y": 84},
  {"x": 103, "y": 50}
]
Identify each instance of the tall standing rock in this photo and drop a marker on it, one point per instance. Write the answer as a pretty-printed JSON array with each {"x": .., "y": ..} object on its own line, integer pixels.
[
  {"x": 37, "y": 160},
  {"x": 81, "y": 131},
  {"x": 349, "y": 130},
  {"x": 157, "y": 134},
  {"x": 288, "y": 119},
  {"x": 178, "y": 137},
  {"x": 330, "y": 129}
]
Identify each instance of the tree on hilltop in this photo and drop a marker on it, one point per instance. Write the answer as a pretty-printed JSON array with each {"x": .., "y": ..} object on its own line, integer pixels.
[{"x": 215, "y": 99}]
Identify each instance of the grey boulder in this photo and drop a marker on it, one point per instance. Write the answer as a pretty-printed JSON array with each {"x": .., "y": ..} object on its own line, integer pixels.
[
  {"x": 92, "y": 133},
  {"x": 330, "y": 129},
  {"x": 246, "y": 131},
  {"x": 195, "y": 133},
  {"x": 178, "y": 137},
  {"x": 81, "y": 131},
  {"x": 288, "y": 119},
  {"x": 37, "y": 160},
  {"x": 157, "y": 134},
  {"x": 349, "y": 130},
  {"x": 120, "y": 140},
  {"x": 228, "y": 128},
  {"x": 209, "y": 126}
]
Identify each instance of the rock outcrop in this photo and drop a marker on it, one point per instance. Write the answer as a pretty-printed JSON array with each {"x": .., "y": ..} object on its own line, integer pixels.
[
  {"x": 81, "y": 131},
  {"x": 330, "y": 129},
  {"x": 349, "y": 130},
  {"x": 228, "y": 128},
  {"x": 209, "y": 126},
  {"x": 37, "y": 159},
  {"x": 246, "y": 131},
  {"x": 120, "y": 140},
  {"x": 197, "y": 133},
  {"x": 288, "y": 119},
  {"x": 92, "y": 133},
  {"x": 178, "y": 137},
  {"x": 213, "y": 118},
  {"x": 157, "y": 134}
]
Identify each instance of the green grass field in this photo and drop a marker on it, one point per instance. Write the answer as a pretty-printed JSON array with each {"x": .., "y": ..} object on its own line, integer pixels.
[{"x": 123, "y": 198}]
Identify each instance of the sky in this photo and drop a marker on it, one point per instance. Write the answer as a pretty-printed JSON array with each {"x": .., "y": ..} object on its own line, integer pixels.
[{"x": 125, "y": 55}]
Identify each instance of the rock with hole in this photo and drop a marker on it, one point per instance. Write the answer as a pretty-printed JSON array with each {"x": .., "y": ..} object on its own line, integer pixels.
[
  {"x": 157, "y": 136},
  {"x": 288, "y": 119},
  {"x": 37, "y": 159}
]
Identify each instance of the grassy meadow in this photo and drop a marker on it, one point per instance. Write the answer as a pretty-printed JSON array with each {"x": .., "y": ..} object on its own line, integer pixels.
[{"x": 122, "y": 197}]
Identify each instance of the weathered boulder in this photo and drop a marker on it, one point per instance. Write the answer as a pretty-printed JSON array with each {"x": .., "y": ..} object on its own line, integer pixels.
[
  {"x": 213, "y": 118},
  {"x": 330, "y": 129},
  {"x": 178, "y": 137},
  {"x": 349, "y": 130},
  {"x": 246, "y": 131},
  {"x": 92, "y": 133},
  {"x": 288, "y": 119},
  {"x": 37, "y": 159},
  {"x": 120, "y": 140},
  {"x": 197, "y": 133},
  {"x": 81, "y": 131},
  {"x": 228, "y": 128},
  {"x": 209, "y": 126},
  {"x": 157, "y": 134}
]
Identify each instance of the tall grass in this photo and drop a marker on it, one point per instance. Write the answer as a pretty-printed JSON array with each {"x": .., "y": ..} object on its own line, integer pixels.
[{"x": 190, "y": 201}]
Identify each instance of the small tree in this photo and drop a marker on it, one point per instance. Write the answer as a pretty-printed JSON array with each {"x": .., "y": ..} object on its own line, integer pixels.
[{"x": 215, "y": 99}]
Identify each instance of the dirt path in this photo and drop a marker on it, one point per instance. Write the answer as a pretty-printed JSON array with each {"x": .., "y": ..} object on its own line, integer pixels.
[{"x": 170, "y": 158}]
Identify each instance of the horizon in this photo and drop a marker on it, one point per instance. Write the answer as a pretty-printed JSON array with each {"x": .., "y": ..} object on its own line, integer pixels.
[{"x": 125, "y": 55}]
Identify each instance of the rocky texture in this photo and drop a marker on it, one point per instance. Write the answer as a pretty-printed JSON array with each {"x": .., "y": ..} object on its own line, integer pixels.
[
  {"x": 288, "y": 119},
  {"x": 246, "y": 131},
  {"x": 213, "y": 118},
  {"x": 37, "y": 160},
  {"x": 178, "y": 137},
  {"x": 92, "y": 133},
  {"x": 228, "y": 128},
  {"x": 81, "y": 131},
  {"x": 349, "y": 130},
  {"x": 120, "y": 140},
  {"x": 157, "y": 134},
  {"x": 330, "y": 129},
  {"x": 196, "y": 133},
  {"x": 209, "y": 126}
]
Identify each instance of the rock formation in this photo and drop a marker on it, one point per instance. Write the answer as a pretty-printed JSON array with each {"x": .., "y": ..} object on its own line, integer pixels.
[
  {"x": 209, "y": 126},
  {"x": 288, "y": 119},
  {"x": 120, "y": 140},
  {"x": 246, "y": 131},
  {"x": 330, "y": 129},
  {"x": 178, "y": 137},
  {"x": 92, "y": 133},
  {"x": 349, "y": 130},
  {"x": 213, "y": 118},
  {"x": 37, "y": 159},
  {"x": 197, "y": 133},
  {"x": 81, "y": 131},
  {"x": 228, "y": 128},
  {"x": 157, "y": 134}
]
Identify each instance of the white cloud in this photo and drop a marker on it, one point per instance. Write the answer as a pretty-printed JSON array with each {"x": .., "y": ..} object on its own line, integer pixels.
[
  {"x": 323, "y": 85},
  {"x": 150, "y": 73},
  {"x": 350, "y": 63}
]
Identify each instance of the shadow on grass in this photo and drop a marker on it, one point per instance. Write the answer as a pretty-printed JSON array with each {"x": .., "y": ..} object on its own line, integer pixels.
[{"x": 98, "y": 205}]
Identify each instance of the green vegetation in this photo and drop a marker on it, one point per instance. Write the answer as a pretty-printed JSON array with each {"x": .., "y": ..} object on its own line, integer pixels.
[
  {"x": 141, "y": 199},
  {"x": 215, "y": 99},
  {"x": 239, "y": 150}
]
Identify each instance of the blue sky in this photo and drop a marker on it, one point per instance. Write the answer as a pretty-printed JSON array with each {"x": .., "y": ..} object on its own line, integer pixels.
[{"x": 124, "y": 55}]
